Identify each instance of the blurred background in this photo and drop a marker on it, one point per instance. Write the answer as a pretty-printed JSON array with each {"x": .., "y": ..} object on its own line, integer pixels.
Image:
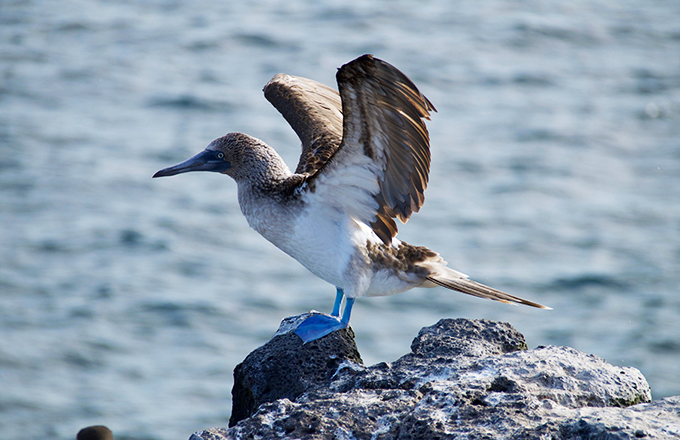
[{"x": 128, "y": 301}]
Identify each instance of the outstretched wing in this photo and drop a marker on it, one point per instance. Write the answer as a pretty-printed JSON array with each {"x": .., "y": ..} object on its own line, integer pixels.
[
  {"x": 368, "y": 153},
  {"x": 315, "y": 113},
  {"x": 384, "y": 134}
]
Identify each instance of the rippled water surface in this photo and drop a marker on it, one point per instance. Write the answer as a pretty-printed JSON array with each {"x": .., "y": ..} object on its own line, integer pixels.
[{"x": 128, "y": 301}]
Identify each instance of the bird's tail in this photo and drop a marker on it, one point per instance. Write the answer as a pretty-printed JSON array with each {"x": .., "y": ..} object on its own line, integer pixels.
[{"x": 457, "y": 281}]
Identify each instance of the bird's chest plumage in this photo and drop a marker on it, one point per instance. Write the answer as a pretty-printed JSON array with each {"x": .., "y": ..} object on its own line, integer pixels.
[
  {"x": 326, "y": 240},
  {"x": 322, "y": 242},
  {"x": 320, "y": 238}
]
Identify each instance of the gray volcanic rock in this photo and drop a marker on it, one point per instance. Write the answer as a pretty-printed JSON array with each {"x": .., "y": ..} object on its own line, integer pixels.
[
  {"x": 285, "y": 368},
  {"x": 462, "y": 379}
]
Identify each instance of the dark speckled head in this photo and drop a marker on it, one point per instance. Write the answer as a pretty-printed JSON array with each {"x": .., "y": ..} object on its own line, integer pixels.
[{"x": 238, "y": 155}]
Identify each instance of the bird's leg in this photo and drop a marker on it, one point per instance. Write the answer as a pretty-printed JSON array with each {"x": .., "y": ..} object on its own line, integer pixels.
[
  {"x": 338, "y": 301},
  {"x": 319, "y": 325},
  {"x": 348, "y": 311}
]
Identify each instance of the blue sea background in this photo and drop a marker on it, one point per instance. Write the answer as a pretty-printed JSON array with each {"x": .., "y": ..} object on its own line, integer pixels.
[{"x": 128, "y": 301}]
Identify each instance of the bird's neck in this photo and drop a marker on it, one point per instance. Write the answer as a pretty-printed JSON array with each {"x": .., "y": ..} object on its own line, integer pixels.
[
  {"x": 267, "y": 211},
  {"x": 267, "y": 196}
]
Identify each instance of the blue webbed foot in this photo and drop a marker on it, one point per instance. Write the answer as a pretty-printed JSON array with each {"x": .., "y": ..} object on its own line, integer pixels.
[{"x": 318, "y": 326}]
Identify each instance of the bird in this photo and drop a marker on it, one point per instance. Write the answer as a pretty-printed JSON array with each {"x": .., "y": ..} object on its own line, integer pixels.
[
  {"x": 97, "y": 432},
  {"x": 365, "y": 162}
]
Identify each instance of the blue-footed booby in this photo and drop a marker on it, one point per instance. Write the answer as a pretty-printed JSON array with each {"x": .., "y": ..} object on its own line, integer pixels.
[{"x": 365, "y": 161}]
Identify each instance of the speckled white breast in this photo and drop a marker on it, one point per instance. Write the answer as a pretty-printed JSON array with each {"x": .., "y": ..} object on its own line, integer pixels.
[
  {"x": 328, "y": 242},
  {"x": 324, "y": 242}
]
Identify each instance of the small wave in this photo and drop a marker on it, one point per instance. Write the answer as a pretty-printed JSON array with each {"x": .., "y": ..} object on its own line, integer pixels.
[
  {"x": 584, "y": 281},
  {"x": 530, "y": 79},
  {"x": 191, "y": 102}
]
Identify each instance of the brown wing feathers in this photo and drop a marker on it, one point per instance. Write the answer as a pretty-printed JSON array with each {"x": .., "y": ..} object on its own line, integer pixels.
[
  {"x": 314, "y": 111},
  {"x": 387, "y": 96},
  {"x": 392, "y": 108}
]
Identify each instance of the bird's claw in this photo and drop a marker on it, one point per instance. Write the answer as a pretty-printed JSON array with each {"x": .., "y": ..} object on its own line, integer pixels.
[{"x": 317, "y": 326}]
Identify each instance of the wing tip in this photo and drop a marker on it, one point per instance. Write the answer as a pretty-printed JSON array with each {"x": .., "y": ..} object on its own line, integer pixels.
[
  {"x": 276, "y": 79},
  {"x": 367, "y": 63}
]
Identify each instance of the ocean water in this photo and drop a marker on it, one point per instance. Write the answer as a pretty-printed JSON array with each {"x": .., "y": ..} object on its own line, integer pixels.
[{"x": 128, "y": 301}]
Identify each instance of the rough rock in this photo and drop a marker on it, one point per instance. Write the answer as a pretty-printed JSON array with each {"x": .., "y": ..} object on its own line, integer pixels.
[
  {"x": 284, "y": 368},
  {"x": 470, "y": 379}
]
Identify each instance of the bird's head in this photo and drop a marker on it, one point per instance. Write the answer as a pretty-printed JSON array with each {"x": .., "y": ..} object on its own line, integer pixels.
[
  {"x": 238, "y": 155},
  {"x": 217, "y": 157}
]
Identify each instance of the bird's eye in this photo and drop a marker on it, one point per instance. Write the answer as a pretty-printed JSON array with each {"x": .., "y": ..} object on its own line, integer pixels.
[{"x": 220, "y": 155}]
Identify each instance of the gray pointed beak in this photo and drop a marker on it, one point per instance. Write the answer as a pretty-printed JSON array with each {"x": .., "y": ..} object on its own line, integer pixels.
[{"x": 207, "y": 160}]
